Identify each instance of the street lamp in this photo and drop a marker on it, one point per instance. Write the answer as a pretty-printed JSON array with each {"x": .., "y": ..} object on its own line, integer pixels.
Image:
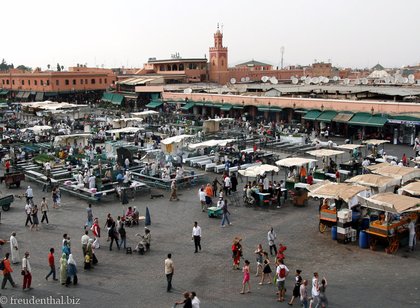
[
  {"x": 372, "y": 110},
  {"x": 322, "y": 107}
]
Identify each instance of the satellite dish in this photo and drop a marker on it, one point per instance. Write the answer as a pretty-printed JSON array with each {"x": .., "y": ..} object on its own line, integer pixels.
[
  {"x": 321, "y": 79},
  {"x": 264, "y": 78},
  {"x": 346, "y": 81},
  {"x": 357, "y": 81},
  {"x": 335, "y": 78},
  {"x": 405, "y": 80},
  {"x": 387, "y": 79},
  {"x": 302, "y": 78},
  {"x": 187, "y": 91},
  {"x": 327, "y": 80},
  {"x": 308, "y": 80},
  {"x": 411, "y": 81},
  {"x": 315, "y": 80},
  {"x": 364, "y": 81},
  {"x": 411, "y": 77},
  {"x": 377, "y": 81},
  {"x": 274, "y": 80},
  {"x": 247, "y": 79},
  {"x": 232, "y": 80},
  {"x": 295, "y": 81},
  {"x": 243, "y": 79}
]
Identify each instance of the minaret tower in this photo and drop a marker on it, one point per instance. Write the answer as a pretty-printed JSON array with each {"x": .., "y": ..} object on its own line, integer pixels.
[{"x": 218, "y": 55}]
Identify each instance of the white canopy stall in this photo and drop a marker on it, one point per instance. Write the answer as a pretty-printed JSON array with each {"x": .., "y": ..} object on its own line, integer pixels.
[
  {"x": 213, "y": 125},
  {"x": 126, "y": 122},
  {"x": 376, "y": 182},
  {"x": 172, "y": 144},
  {"x": 210, "y": 143},
  {"x": 75, "y": 139},
  {"x": 144, "y": 114},
  {"x": 258, "y": 170}
]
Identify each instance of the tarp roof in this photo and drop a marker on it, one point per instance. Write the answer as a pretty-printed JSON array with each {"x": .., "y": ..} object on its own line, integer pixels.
[
  {"x": 254, "y": 171},
  {"x": 324, "y": 152},
  {"x": 402, "y": 173},
  {"x": 211, "y": 143},
  {"x": 349, "y": 146},
  {"x": 144, "y": 113},
  {"x": 412, "y": 188},
  {"x": 375, "y": 141},
  {"x": 374, "y": 180},
  {"x": 125, "y": 130},
  {"x": 342, "y": 191},
  {"x": 294, "y": 161},
  {"x": 175, "y": 139},
  {"x": 391, "y": 202}
]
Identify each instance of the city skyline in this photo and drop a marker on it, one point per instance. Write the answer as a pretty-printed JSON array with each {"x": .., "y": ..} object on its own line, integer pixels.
[{"x": 357, "y": 34}]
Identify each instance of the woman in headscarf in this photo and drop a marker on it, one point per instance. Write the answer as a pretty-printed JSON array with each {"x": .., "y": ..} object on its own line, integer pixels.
[
  {"x": 71, "y": 270},
  {"x": 63, "y": 269},
  {"x": 66, "y": 249},
  {"x": 89, "y": 255}
]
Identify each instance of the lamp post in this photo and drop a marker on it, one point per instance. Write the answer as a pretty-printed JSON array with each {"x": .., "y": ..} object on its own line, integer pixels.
[
  {"x": 322, "y": 107},
  {"x": 372, "y": 111}
]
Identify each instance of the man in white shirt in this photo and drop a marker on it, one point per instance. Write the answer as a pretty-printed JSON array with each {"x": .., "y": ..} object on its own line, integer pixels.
[
  {"x": 85, "y": 240},
  {"x": 266, "y": 184},
  {"x": 169, "y": 271},
  {"x": 29, "y": 194},
  {"x": 227, "y": 185},
  {"x": 196, "y": 236},
  {"x": 202, "y": 196},
  {"x": 282, "y": 271},
  {"x": 195, "y": 302},
  {"x": 26, "y": 269},
  {"x": 411, "y": 235},
  {"x": 28, "y": 211},
  {"x": 315, "y": 291}
]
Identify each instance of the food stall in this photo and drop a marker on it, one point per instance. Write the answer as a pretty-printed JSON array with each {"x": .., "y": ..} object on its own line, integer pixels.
[
  {"x": 404, "y": 174},
  {"x": 377, "y": 183},
  {"x": 326, "y": 171},
  {"x": 337, "y": 201},
  {"x": 173, "y": 145},
  {"x": 391, "y": 226},
  {"x": 353, "y": 166},
  {"x": 297, "y": 190},
  {"x": 372, "y": 147}
]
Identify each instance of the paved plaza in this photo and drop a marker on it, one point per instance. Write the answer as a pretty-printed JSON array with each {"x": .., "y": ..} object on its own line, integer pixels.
[{"x": 356, "y": 277}]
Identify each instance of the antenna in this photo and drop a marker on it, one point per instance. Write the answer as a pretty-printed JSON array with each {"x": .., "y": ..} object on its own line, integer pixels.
[
  {"x": 264, "y": 78},
  {"x": 221, "y": 28},
  {"x": 282, "y": 55},
  {"x": 232, "y": 80}
]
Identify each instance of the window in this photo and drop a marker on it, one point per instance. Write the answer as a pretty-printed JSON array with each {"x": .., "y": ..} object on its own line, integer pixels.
[
  {"x": 42, "y": 82},
  {"x": 13, "y": 82},
  {"x": 23, "y": 82},
  {"x": 2, "y": 81},
  {"x": 67, "y": 82},
  {"x": 92, "y": 81},
  {"x": 29, "y": 82},
  {"x": 36, "y": 82},
  {"x": 86, "y": 81},
  {"x": 74, "y": 81},
  {"x": 223, "y": 62},
  {"x": 7, "y": 81},
  {"x": 105, "y": 81},
  {"x": 181, "y": 67},
  {"x": 100, "y": 80},
  {"x": 48, "y": 82},
  {"x": 57, "y": 82},
  {"x": 81, "y": 81}
]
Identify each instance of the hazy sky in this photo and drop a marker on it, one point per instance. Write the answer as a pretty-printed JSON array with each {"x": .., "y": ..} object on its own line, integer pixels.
[{"x": 355, "y": 33}]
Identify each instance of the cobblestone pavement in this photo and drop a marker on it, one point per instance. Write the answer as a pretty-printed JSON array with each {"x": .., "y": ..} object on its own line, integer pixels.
[{"x": 357, "y": 277}]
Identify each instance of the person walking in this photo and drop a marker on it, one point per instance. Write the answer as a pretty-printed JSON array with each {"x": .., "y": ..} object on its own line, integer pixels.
[
  {"x": 169, "y": 271},
  {"x": 89, "y": 213},
  {"x": 304, "y": 294},
  {"x": 44, "y": 210},
  {"x": 14, "y": 248},
  {"x": 315, "y": 291},
  {"x": 236, "y": 252},
  {"x": 234, "y": 182},
  {"x": 27, "y": 273},
  {"x": 63, "y": 269},
  {"x": 266, "y": 269},
  {"x": 296, "y": 288},
  {"x": 29, "y": 195},
  {"x": 113, "y": 235},
  {"x": 227, "y": 185},
  {"x": 96, "y": 230},
  {"x": 245, "y": 280},
  {"x": 225, "y": 212},
  {"x": 174, "y": 195},
  {"x": 54, "y": 196},
  {"x": 282, "y": 271},
  {"x": 123, "y": 236},
  {"x": 271, "y": 237},
  {"x": 7, "y": 272},
  {"x": 51, "y": 263},
  {"x": 209, "y": 194},
  {"x": 28, "y": 211},
  {"x": 216, "y": 184},
  {"x": 196, "y": 236},
  {"x": 202, "y": 197},
  {"x": 187, "y": 302},
  {"x": 35, "y": 220},
  {"x": 259, "y": 258},
  {"x": 71, "y": 271},
  {"x": 85, "y": 240},
  {"x": 195, "y": 302},
  {"x": 323, "y": 300}
]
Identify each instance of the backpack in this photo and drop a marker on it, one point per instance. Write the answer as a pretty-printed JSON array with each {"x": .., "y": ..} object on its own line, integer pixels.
[
  {"x": 2, "y": 265},
  {"x": 282, "y": 273}
]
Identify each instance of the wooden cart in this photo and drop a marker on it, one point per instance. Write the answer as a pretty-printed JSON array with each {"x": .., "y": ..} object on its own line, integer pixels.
[
  {"x": 5, "y": 202},
  {"x": 391, "y": 233},
  {"x": 13, "y": 178},
  {"x": 327, "y": 218}
]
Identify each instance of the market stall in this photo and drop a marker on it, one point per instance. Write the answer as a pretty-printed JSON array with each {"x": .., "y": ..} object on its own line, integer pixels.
[
  {"x": 172, "y": 145},
  {"x": 373, "y": 146},
  {"x": 126, "y": 122},
  {"x": 353, "y": 165},
  {"x": 337, "y": 201},
  {"x": 412, "y": 189},
  {"x": 377, "y": 183},
  {"x": 391, "y": 225},
  {"x": 404, "y": 174},
  {"x": 328, "y": 169},
  {"x": 80, "y": 140}
]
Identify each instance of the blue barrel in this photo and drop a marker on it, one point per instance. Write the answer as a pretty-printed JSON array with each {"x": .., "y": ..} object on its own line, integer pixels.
[
  {"x": 365, "y": 223},
  {"x": 334, "y": 233},
  {"x": 363, "y": 240},
  {"x": 355, "y": 216}
]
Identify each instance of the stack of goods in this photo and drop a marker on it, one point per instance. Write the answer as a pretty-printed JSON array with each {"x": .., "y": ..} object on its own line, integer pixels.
[{"x": 344, "y": 230}]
